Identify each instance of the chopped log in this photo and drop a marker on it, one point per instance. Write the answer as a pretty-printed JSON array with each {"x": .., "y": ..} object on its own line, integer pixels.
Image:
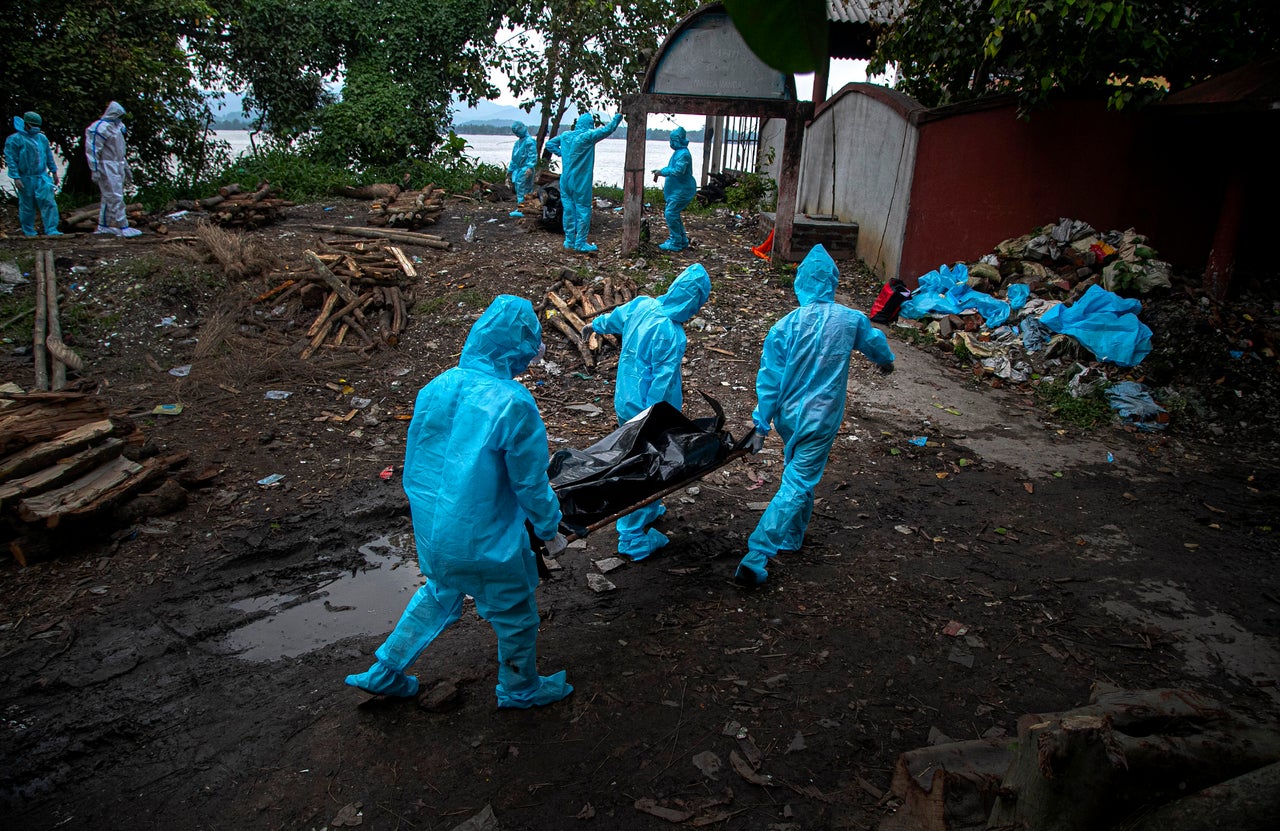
[
  {"x": 265, "y": 296},
  {"x": 322, "y": 334},
  {"x": 428, "y": 240},
  {"x": 405, "y": 265},
  {"x": 342, "y": 334},
  {"x": 263, "y": 192},
  {"x": 557, "y": 301},
  {"x": 166, "y": 499},
  {"x": 58, "y": 374},
  {"x": 1072, "y": 770},
  {"x": 574, "y": 338},
  {"x": 38, "y": 348},
  {"x": 948, "y": 783},
  {"x": 70, "y": 468},
  {"x": 85, "y": 491},
  {"x": 397, "y": 317},
  {"x": 229, "y": 190},
  {"x": 31, "y": 550},
  {"x": 344, "y": 291},
  {"x": 325, "y": 310},
  {"x": 1250, "y": 802},
  {"x": 39, "y": 456},
  {"x": 211, "y": 202},
  {"x": 607, "y": 290}
]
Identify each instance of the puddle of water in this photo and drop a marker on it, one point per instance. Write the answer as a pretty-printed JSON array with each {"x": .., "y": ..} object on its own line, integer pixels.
[{"x": 366, "y": 603}]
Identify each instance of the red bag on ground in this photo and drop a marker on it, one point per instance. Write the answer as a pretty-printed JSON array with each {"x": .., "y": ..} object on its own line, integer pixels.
[{"x": 891, "y": 297}]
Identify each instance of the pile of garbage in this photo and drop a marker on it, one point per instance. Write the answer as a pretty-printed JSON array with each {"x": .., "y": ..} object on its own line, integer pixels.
[{"x": 1042, "y": 304}]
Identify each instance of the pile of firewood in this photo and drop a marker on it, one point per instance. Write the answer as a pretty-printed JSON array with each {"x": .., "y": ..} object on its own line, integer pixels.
[
  {"x": 236, "y": 208},
  {"x": 361, "y": 293},
  {"x": 400, "y": 208},
  {"x": 86, "y": 219},
  {"x": 64, "y": 465},
  {"x": 569, "y": 307}
]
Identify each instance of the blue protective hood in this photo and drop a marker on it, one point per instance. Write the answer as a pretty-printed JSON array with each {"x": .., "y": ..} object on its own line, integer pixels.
[
  {"x": 113, "y": 112},
  {"x": 817, "y": 278},
  {"x": 519, "y": 129},
  {"x": 505, "y": 338},
  {"x": 687, "y": 294},
  {"x": 679, "y": 138},
  {"x": 584, "y": 122},
  {"x": 19, "y": 124}
]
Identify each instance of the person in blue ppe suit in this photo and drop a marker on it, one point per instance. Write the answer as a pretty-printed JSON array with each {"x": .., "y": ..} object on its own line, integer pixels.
[
  {"x": 678, "y": 191},
  {"x": 34, "y": 173},
  {"x": 475, "y": 471},
  {"x": 653, "y": 343},
  {"x": 801, "y": 389},
  {"x": 104, "y": 148},
  {"x": 523, "y": 156},
  {"x": 577, "y": 151}
]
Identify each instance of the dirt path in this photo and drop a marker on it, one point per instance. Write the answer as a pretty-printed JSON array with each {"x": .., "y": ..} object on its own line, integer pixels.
[{"x": 190, "y": 676}]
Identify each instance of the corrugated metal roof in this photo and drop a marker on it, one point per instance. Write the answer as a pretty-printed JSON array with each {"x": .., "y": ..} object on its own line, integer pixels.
[
  {"x": 863, "y": 11},
  {"x": 1252, "y": 87}
]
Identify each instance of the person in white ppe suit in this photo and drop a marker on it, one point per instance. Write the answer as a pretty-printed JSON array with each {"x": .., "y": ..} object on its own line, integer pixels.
[{"x": 104, "y": 147}]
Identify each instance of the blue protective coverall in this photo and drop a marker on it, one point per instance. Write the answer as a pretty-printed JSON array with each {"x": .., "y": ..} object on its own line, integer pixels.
[
  {"x": 30, "y": 161},
  {"x": 475, "y": 469},
  {"x": 801, "y": 389},
  {"x": 653, "y": 343},
  {"x": 523, "y": 157},
  {"x": 678, "y": 191},
  {"x": 104, "y": 148},
  {"x": 577, "y": 150}
]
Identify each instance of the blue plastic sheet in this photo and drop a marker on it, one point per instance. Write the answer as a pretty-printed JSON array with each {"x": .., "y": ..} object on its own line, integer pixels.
[
  {"x": 1017, "y": 295},
  {"x": 1135, "y": 405},
  {"x": 946, "y": 291},
  {"x": 1106, "y": 323}
]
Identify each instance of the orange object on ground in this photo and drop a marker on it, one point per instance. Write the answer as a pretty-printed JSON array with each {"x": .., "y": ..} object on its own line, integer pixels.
[{"x": 765, "y": 248}]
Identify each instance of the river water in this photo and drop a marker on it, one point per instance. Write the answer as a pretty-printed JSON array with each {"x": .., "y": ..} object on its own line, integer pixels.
[{"x": 610, "y": 155}]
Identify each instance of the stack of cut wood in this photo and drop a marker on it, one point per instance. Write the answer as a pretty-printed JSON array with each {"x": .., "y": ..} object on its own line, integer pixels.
[
  {"x": 52, "y": 356},
  {"x": 63, "y": 462},
  {"x": 407, "y": 208},
  {"x": 86, "y": 219},
  {"x": 569, "y": 307},
  {"x": 234, "y": 207},
  {"x": 362, "y": 290}
]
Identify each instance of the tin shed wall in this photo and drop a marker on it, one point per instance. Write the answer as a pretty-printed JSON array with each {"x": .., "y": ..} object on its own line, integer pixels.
[{"x": 859, "y": 154}]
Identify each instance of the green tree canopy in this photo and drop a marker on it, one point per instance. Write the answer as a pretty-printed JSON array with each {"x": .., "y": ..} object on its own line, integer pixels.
[
  {"x": 66, "y": 60},
  {"x": 589, "y": 53},
  {"x": 947, "y": 51},
  {"x": 396, "y": 62}
]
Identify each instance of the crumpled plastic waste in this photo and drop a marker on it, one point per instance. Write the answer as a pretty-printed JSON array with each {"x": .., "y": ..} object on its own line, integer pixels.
[
  {"x": 1035, "y": 335},
  {"x": 1018, "y": 371},
  {"x": 947, "y": 291},
  {"x": 1106, "y": 324},
  {"x": 1135, "y": 405},
  {"x": 1085, "y": 381}
]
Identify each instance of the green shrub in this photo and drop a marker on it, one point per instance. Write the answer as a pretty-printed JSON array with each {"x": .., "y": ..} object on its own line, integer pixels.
[{"x": 1087, "y": 411}]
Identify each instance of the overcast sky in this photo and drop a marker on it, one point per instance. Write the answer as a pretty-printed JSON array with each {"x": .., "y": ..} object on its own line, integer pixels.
[{"x": 842, "y": 72}]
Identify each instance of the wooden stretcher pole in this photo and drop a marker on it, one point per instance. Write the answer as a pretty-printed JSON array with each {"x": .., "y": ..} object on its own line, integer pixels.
[{"x": 733, "y": 455}]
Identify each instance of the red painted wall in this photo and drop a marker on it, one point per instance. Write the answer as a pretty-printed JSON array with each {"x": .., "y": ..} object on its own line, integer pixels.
[{"x": 983, "y": 176}]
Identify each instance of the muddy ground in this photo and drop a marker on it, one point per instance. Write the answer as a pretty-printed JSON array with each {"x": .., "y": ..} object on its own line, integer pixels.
[{"x": 186, "y": 672}]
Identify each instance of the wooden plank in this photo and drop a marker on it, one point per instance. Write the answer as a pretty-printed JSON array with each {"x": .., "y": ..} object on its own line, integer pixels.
[
  {"x": 405, "y": 264},
  {"x": 83, "y": 491},
  {"x": 42, "y": 455},
  {"x": 61, "y": 472}
]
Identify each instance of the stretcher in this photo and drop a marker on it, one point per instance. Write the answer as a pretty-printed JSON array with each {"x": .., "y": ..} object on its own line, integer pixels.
[{"x": 653, "y": 455}]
